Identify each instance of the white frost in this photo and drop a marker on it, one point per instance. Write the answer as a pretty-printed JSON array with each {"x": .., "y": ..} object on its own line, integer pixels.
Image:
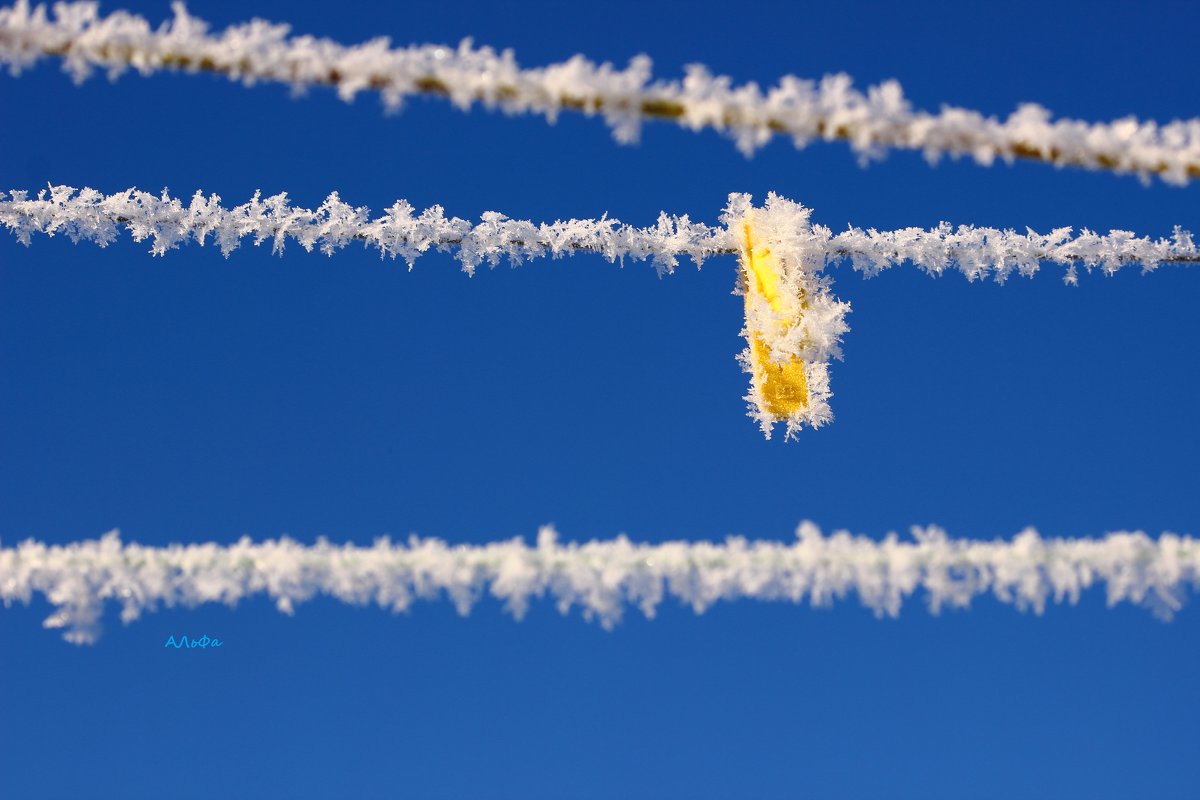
[
  {"x": 88, "y": 215},
  {"x": 601, "y": 577},
  {"x": 813, "y": 334},
  {"x": 874, "y": 121},
  {"x": 982, "y": 252}
]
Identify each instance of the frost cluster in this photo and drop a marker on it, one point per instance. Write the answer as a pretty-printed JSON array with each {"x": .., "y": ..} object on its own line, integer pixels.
[
  {"x": 874, "y": 121},
  {"x": 600, "y": 577},
  {"x": 89, "y": 215},
  {"x": 980, "y": 252},
  {"x": 801, "y": 324}
]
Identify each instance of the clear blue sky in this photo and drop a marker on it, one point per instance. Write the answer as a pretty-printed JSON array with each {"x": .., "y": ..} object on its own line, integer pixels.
[{"x": 193, "y": 398}]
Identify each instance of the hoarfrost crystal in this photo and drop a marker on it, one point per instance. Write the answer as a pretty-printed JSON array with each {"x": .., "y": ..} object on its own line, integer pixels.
[
  {"x": 600, "y": 577},
  {"x": 874, "y": 121}
]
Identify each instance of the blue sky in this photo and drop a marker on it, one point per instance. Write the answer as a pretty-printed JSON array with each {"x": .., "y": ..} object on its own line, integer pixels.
[{"x": 194, "y": 398}]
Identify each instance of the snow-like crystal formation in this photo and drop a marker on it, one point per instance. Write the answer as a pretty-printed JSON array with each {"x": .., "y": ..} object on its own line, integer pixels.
[
  {"x": 978, "y": 252},
  {"x": 982, "y": 252},
  {"x": 874, "y": 121},
  {"x": 794, "y": 324},
  {"x": 601, "y": 577},
  {"x": 89, "y": 215},
  {"x": 794, "y": 329}
]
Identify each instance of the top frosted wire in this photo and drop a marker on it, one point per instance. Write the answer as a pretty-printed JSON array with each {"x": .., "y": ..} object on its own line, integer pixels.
[{"x": 872, "y": 122}]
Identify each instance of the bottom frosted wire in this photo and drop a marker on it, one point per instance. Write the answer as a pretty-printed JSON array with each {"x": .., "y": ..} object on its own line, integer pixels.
[{"x": 601, "y": 577}]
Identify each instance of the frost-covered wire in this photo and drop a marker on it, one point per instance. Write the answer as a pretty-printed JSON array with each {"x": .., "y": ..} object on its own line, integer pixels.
[
  {"x": 874, "y": 121},
  {"x": 977, "y": 252},
  {"x": 794, "y": 323},
  {"x": 600, "y": 577},
  {"x": 980, "y": 252},
  {"x": 400, "y": 232}
]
